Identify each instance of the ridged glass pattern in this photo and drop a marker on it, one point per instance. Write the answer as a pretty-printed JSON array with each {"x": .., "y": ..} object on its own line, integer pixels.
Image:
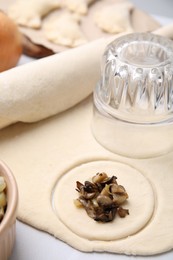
[{"x": 137, "y": 79}]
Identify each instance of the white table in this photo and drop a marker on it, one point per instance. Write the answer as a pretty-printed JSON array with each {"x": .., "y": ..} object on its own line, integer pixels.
[
  {"x": 157, "y": 7},
  {"x": 32, "y": 244}
]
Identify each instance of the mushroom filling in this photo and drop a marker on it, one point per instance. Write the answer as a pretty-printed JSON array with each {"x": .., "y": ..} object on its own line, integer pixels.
[
  {"x": 102, "y": 197},
  {"x": 3, "y": 199}
]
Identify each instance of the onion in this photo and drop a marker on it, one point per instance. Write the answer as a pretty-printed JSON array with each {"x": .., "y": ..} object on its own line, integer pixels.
[{"x": 10, "y": 43}]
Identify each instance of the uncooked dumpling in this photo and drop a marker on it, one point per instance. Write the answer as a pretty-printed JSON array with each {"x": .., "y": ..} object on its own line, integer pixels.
[
  {"x": 78, "y": 6},
  {"x": 29, "y": 12},
  {"x": 114, "y": 18},
  {"x": 64, "y": 30}
]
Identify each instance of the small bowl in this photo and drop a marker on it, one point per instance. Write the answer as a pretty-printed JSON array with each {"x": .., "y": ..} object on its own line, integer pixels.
[{"x": 8, "y": 223}]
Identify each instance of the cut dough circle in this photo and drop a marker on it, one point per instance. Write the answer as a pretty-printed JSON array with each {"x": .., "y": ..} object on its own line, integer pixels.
[{"x": 140, "y": 203}]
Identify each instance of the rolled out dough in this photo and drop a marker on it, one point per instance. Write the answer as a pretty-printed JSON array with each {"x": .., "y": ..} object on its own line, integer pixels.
[{"x": 41, "y": 153}]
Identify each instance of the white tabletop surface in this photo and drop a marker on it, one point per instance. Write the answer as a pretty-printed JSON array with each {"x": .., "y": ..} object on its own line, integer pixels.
[
  {"x": 157, "y": 7},
  {"x": 32, "y": 244}
]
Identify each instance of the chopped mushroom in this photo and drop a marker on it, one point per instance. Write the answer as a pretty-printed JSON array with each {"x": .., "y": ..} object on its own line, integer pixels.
[
  {"x": 122, "y": 212},
  {"x": 102, "y": 197}
]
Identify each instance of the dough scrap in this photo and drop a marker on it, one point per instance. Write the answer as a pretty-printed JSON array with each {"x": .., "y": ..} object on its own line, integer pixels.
[
  {"x": 78, "y": 6},
  {"x": 114, "y": 18},
  {"x": 29, "y": 13},
  {"x": 64, "y": 30}
]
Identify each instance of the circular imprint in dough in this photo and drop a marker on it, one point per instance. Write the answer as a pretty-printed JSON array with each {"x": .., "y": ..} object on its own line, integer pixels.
[{"x": 140, "y": 202}]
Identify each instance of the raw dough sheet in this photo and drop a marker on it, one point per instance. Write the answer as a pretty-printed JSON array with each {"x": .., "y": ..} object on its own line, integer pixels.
[{"x": 40, "y": 153}]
